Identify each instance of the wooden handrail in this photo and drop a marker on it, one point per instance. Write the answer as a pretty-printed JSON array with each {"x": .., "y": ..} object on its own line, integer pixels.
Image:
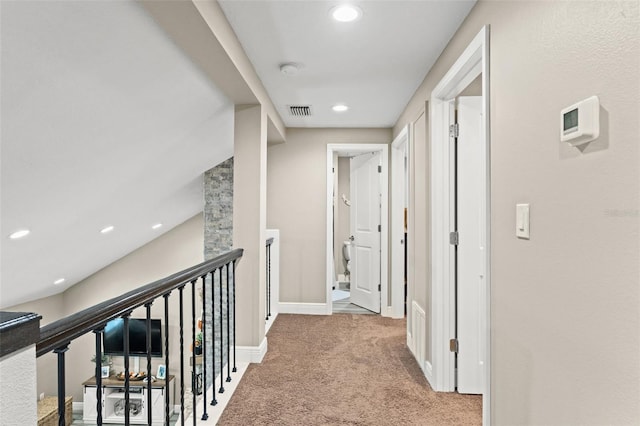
[{"x": 60, "y": 333}]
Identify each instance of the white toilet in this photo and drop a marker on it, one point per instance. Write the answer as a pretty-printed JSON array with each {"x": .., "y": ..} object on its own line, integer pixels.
[{"x": 346, "y": 258}]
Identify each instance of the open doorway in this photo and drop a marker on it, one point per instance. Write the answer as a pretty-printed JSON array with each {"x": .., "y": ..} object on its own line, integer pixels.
[
  {"x": 357, "y": 253},
  {"x": 460, "y": 225}
]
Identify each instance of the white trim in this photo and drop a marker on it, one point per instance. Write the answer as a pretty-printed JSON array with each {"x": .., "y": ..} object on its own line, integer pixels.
[
  {"x": 252, "y": 354},
  {"x": 473, "y": 62},
  {"x": 214, "y": 412},
  {"x": 428, "y": 372},
  {"x": 399, "y": 149},
  {"x": 303, "y": 308},
  {"x": 77, "y": 407},
  {"x": 384, "y": 219},
  {"x": 270, "y": 321}
]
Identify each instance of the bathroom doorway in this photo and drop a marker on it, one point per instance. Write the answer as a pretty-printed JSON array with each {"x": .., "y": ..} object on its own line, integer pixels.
[{"x": 357, "y": 228}]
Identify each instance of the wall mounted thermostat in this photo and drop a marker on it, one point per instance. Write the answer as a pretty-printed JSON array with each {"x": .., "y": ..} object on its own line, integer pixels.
[{"x": 580, "y": 122}]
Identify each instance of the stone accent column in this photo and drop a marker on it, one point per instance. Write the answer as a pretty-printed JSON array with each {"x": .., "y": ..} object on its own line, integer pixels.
[{"x": 218, "y": 239}]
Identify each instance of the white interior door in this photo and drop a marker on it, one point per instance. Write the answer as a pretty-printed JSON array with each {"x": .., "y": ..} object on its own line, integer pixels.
[
  {"x": 365, "y": 222},
  {"x": 470, "y": 251}
]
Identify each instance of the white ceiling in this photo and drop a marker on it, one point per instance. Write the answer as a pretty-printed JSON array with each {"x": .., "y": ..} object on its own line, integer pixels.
[
  {"x": 104, "y": 122},
  {"x": 374, "y": 65}
]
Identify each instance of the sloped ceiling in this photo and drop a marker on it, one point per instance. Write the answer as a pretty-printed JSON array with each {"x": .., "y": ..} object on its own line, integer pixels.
[{"x": 104, "y": 122}]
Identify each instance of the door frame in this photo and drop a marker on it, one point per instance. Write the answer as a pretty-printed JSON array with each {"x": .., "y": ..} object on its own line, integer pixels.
[
  {"x": 399, "y": 149},
  {"x": 473, "y": 62},
  {"x": 384, "y": 219}
]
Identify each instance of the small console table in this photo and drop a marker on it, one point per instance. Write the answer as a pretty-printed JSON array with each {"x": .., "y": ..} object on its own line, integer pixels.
[{"x": 113, "y": 400}]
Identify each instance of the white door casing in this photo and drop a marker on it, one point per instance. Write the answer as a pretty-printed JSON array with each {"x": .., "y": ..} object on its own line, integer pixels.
[
  {"x": 349, "y": 149},
  {"x": 470, "y": 249},
  {"x": 474, "y": 61},
  {"x": 365, "y": 230},
  {"x": 399, "y": 193}
]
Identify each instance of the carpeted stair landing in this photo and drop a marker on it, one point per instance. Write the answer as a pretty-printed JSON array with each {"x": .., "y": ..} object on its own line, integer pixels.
[{"x": 342, "y": 369}]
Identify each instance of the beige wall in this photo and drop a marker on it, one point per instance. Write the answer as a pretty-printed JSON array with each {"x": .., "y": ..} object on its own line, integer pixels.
[
  {"x": 249, "y": 221},
  {"x": 177, "y": 249},
  {"x": 565, "y": 304},
  {"x": 296, "y": 204}
]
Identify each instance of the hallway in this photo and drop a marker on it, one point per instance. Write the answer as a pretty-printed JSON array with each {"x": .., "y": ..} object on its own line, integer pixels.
[{"x": 342, "y": 369}]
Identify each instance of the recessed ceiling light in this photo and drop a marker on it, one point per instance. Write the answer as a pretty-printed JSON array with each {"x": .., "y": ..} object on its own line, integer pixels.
[
  {"x": 156, "y": 226},
  {"x": 58, "y": 281},
  {"x": 340, "y": 108},
  {"x": 107, "y": 229},
  {"x": 346, "y": 13},
  {"x": 19, "y": 234}
]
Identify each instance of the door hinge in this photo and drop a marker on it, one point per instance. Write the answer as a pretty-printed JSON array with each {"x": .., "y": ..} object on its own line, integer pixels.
[
  {"x": 379, "y": 287},
  {"x": 333, "y": 170},
  {"x": 454, "y": 130},
  {"x": 379, "y": 169},
  {"x": 453, "y": 345},
  {"x": 453, "y": 238},
  {"x": 379, "y": 228}
]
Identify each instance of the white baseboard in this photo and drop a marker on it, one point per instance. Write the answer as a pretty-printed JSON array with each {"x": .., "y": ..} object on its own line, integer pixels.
[
  {"x": 252, "y": 354},
  {"x": 269, "y": 323},
  {"x": 428, "y": 373},
  {"x": 302, "y": 308},
  {"x": 78, "y": 407},
  {"x": 214, "y": 412}
]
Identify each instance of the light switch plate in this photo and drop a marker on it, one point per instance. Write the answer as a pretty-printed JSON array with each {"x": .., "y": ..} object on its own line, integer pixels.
[{"x": 522, "y": 221}]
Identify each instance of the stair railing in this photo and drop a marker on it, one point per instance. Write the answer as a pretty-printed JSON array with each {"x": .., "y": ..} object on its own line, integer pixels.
[{"x": 57, "y": 336}]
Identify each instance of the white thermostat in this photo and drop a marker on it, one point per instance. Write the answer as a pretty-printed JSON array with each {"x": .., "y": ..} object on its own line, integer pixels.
[{"x": 580, "y": 123}]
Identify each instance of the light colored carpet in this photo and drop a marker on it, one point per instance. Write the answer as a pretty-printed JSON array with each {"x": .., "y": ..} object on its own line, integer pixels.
[{"x": 342, "y": 370}]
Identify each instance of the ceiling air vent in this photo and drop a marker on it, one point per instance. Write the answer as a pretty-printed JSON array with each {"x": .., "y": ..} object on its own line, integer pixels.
[{"x": 300, "y": 110}]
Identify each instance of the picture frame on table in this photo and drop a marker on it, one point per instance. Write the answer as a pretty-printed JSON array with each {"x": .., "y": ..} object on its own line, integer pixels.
[
  {"x": 162, "y": 372},
  {"x": 104, "y": 372}
]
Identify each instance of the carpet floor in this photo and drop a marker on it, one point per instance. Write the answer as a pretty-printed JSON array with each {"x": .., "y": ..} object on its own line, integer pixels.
[{"x": 342, "y": 369}]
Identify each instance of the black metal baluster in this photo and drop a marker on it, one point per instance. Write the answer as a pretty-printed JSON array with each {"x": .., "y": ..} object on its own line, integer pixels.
[
  {"x": 205, "y": 416},
  {"x": 61, "y": 383},
  {"x": 166, "y": 356},
  {"x": 221, "y": 335},
  {"x": 193, "y": 352},
  {"x": 149, "y": 399},
  {"x": 125, "y": 339},
  {"x": 234, "y": 316},
  {"x": 228, "y": 334},
  {"x": 181, "y": 357},
  {"x": 98, "y": 334},
  {"x": 214, "y": 401}
]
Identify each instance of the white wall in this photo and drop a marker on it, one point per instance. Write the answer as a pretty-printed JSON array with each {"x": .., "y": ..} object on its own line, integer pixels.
[
  {"x": 565, "y": 304},
  {"x": 18, "y": 370},
  {"x": 296, "y": 204}
]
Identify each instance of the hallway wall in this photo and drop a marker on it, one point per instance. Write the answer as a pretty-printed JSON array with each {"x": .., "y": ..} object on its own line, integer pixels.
[
  {"x": 565, "y": 304},
  {"x": 296, "y": 188}
]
